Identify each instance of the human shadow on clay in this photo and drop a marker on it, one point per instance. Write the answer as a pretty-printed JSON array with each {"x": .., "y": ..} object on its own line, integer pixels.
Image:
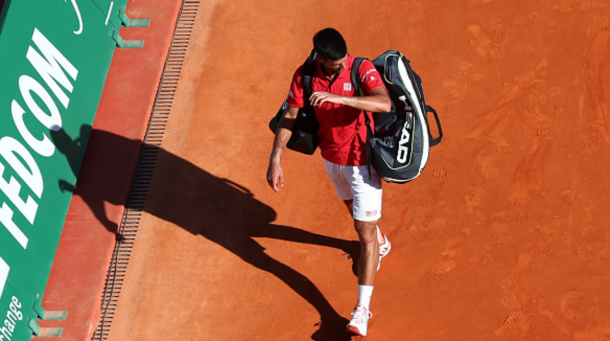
[
  {"x": 221, "y": 210},
  {"x": 109, "y": 160}
]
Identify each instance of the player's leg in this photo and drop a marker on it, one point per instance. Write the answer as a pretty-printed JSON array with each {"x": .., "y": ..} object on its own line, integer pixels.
[
  {"x": 362, "y": 196},
  {"x": 381, "y": 238},
  {"x": 369, "y": 251},
  {"x": 366, "y": 203},
  {"x": 366, "y": 211}
]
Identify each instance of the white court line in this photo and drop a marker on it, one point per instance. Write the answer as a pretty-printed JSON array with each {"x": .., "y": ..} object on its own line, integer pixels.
[
  {"x": 4, "y": 268},
  {"x": 109, "y": 11}
]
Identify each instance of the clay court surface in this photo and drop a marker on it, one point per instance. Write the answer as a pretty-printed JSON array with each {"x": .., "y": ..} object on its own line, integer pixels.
[{"x": 504, "y": 236}]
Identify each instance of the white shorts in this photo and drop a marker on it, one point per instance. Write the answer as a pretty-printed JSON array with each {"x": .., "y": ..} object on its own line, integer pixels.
[{"x": 352, "y": 182}]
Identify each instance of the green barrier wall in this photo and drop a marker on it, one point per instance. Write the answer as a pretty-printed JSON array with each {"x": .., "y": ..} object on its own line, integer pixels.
[{"x": 54, "y": 58}]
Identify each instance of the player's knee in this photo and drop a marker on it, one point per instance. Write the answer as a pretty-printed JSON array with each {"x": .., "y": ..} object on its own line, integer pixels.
[{"x": 367, "y": 231}]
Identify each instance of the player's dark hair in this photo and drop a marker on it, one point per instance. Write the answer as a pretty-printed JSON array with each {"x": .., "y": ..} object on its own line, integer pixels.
[{"x": 329, "y": 44}]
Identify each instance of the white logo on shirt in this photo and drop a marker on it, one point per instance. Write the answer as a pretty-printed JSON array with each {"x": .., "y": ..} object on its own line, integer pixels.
[
  {"x": 367, "y": 73},
  {"x": 290, "y": 93},
  {"x": 347, "y": 86}
]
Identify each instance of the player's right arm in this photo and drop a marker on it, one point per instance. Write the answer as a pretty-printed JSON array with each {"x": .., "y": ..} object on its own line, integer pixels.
[
  {"x": 295, "y": 100},
  {"x": 275, "y": 174}
]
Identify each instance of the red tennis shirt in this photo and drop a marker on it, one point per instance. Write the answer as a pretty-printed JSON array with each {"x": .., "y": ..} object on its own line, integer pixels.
[{"x": 342, "y": 128}]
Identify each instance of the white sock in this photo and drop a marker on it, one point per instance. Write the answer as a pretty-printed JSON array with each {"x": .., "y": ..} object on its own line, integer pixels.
[{"x": 365, "y": 292}]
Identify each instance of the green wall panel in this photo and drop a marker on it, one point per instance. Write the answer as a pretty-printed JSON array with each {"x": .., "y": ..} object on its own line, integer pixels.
[{"x": 54, "y": 58}]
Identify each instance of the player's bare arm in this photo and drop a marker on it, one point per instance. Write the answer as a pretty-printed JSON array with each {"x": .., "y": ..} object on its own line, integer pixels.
[
  {"x": 377, "y": 101},
  {"x": 275, "y": 174}
]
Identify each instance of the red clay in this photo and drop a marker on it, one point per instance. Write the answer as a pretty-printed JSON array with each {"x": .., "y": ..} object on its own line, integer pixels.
[{"x": 504, "y": 236}]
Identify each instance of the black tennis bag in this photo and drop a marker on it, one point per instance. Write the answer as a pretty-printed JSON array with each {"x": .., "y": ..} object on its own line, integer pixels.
[
  {"x": 304, "y": 138},
  {"x": 400, "y": 146}
]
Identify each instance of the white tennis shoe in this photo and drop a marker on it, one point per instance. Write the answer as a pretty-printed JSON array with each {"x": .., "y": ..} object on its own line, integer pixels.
[
  {"x": 384, "y": 249},
  {"x": 360, "y": 321}
]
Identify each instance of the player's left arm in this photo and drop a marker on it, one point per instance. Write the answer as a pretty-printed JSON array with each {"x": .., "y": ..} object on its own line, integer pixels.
[{"x": 376, "y": 101}]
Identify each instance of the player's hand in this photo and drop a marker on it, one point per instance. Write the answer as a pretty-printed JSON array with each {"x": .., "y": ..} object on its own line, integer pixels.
[
  {"x": 320, "y": 97},
  {"x": 275, "y": 176}
]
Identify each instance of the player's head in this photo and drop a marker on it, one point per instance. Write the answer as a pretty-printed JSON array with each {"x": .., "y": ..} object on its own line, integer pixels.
[
  {"x": 329, "y": 44},
  {"x": 331, "y": 49}
]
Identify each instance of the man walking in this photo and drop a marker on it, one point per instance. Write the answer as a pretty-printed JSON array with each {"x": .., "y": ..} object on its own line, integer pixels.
[{"x": 342, "y": 134}]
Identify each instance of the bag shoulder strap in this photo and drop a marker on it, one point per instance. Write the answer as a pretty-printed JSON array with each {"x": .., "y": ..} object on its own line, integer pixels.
[
  {"x": 308, "y": 68},
  {"x": 367, "y": 118},
  {"x": 354, "y": 75}
]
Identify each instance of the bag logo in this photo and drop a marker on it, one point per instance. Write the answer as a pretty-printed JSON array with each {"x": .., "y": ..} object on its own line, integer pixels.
[
  {"x": 405, "y": 137},
  {"x": 347, "y": 86}
]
